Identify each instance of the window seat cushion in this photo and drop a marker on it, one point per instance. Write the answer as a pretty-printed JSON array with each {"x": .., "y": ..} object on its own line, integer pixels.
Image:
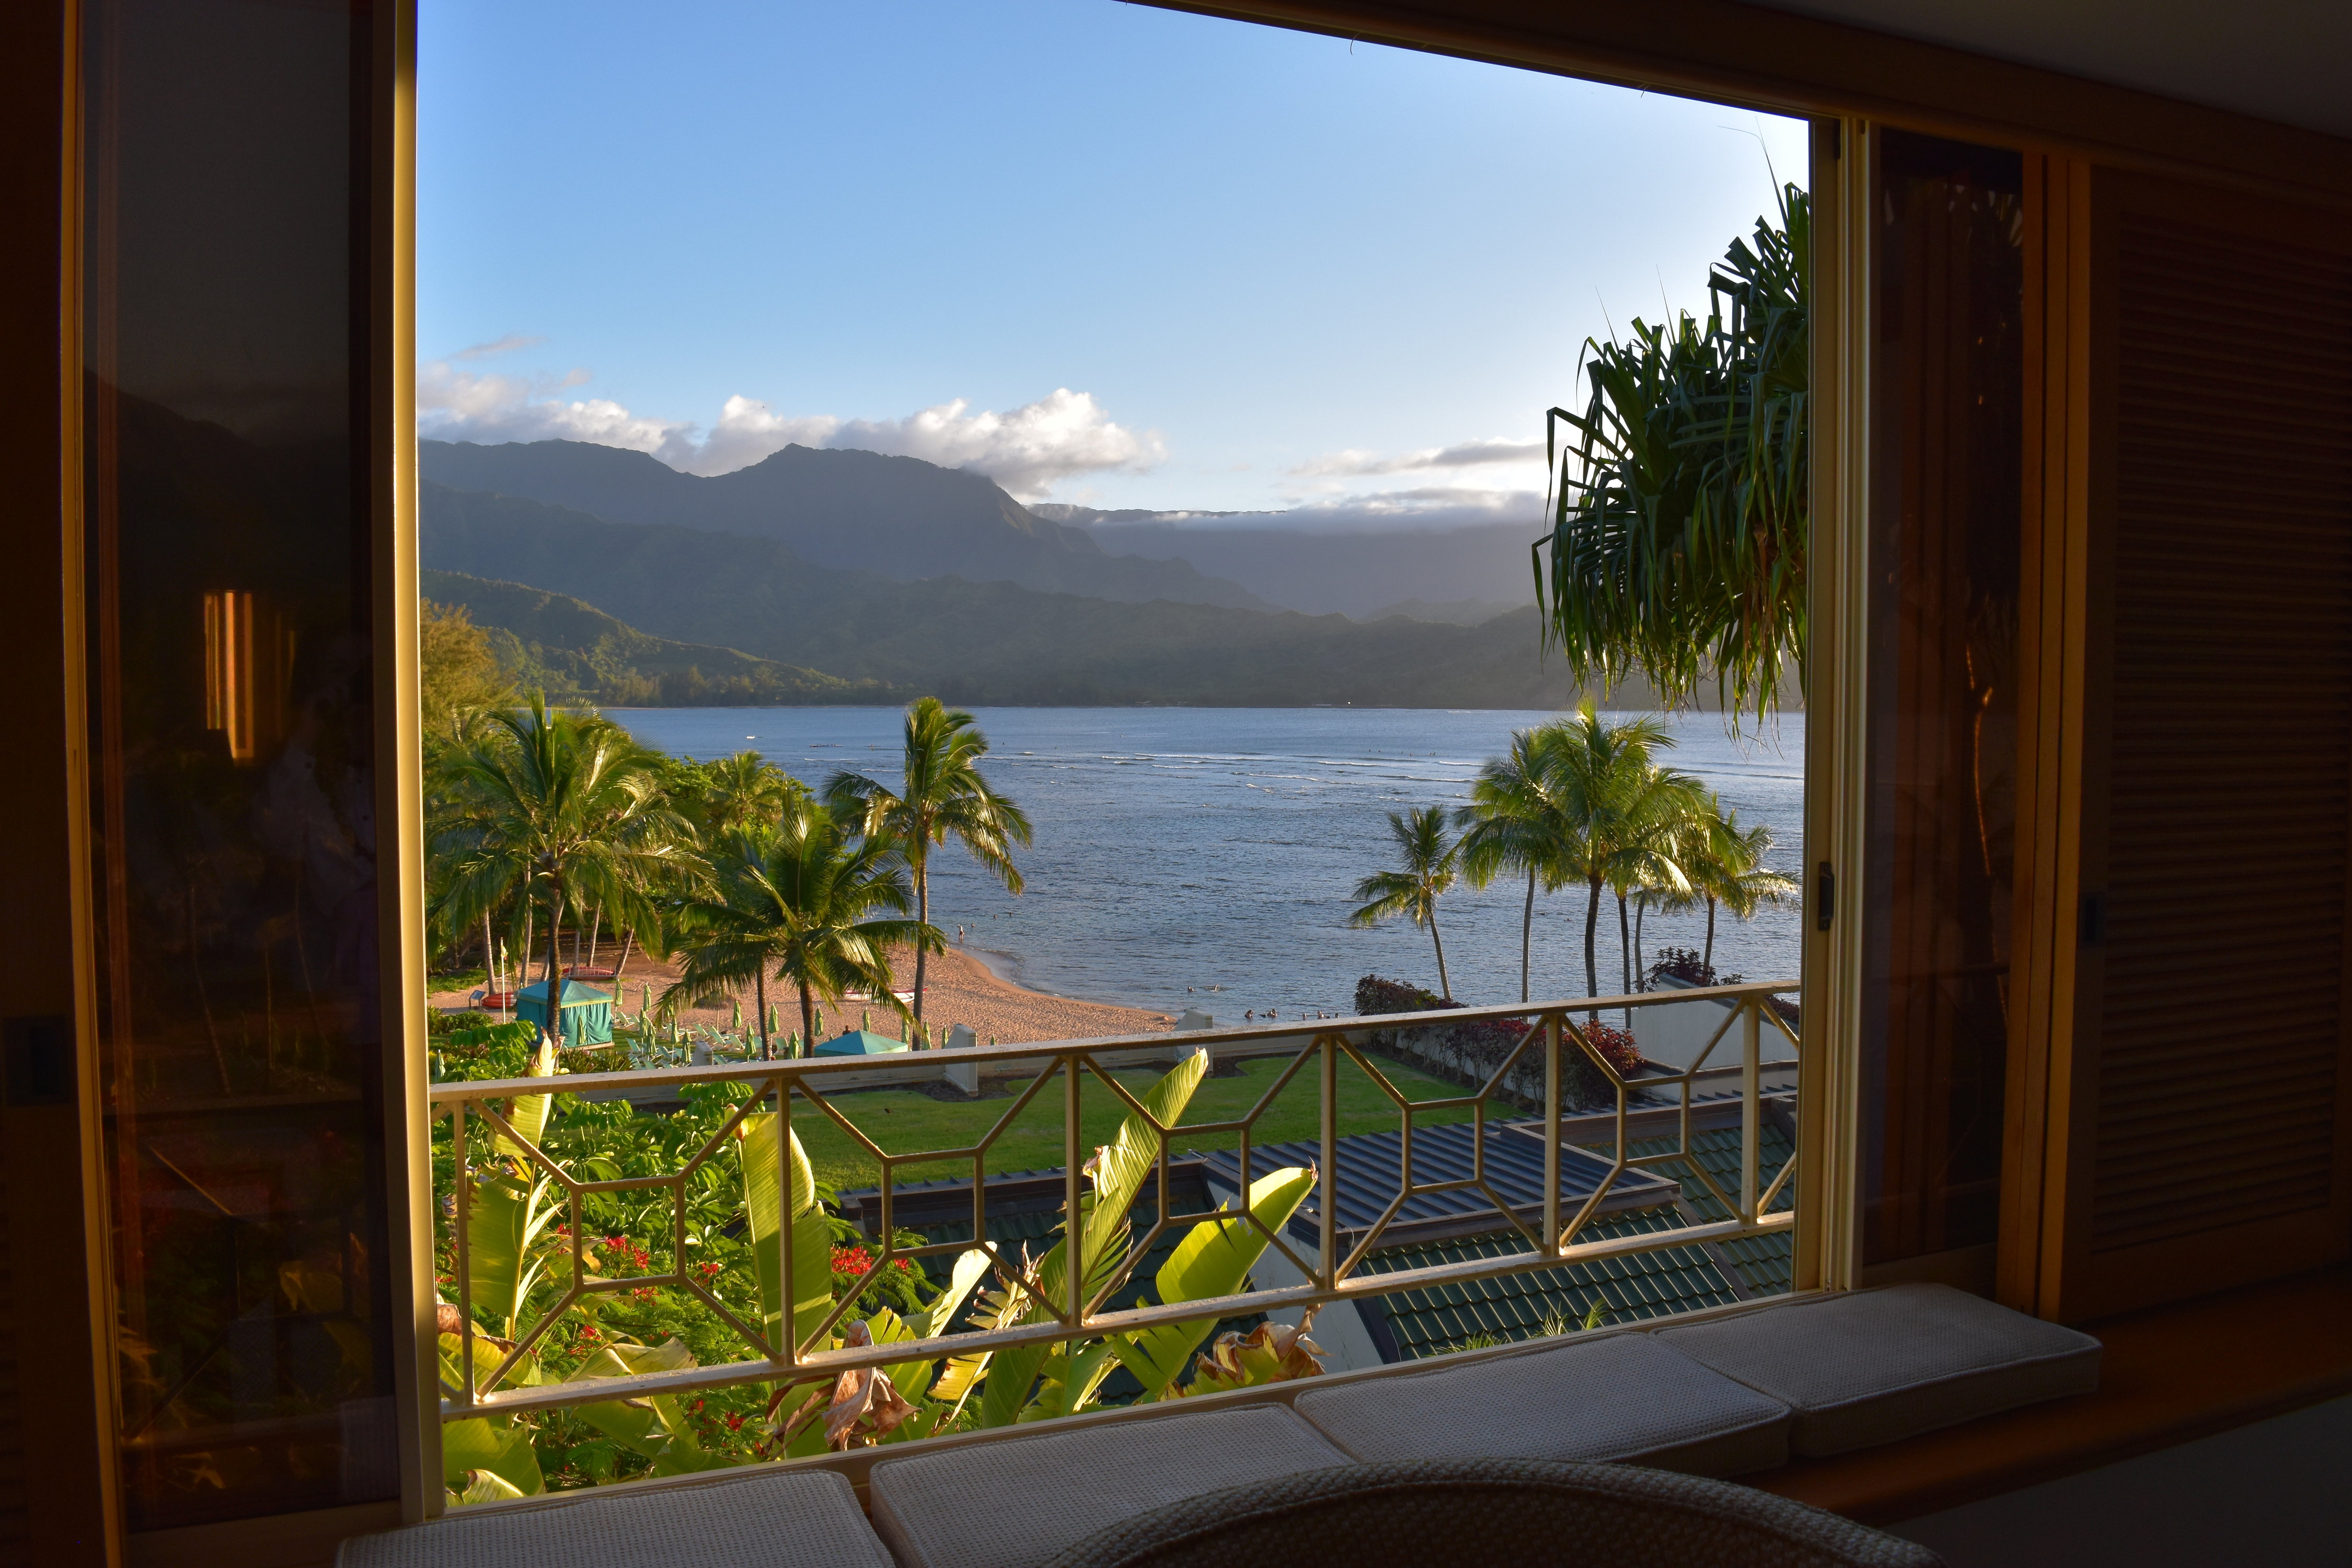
[
  {"x": 775, "y": 1518},
  {"x": 1873, "y": 1366},
  {"x": 1605, "y": 1396},
  {"x": 1020, "y": 1501}
]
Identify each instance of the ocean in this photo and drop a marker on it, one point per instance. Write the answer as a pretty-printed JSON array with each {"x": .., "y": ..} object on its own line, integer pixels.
[{"x": 1204, "y": 857}]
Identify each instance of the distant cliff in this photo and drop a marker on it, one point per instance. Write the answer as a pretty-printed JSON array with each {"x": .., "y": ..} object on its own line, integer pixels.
[
  {"x": 901, "y": 517},
  {"x": 980, "y": 642},
  {"x": 576, "y": 652}
]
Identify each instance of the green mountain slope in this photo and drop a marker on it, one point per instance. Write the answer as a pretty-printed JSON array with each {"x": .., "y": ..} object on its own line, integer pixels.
[
  {"x": 901, "y": 517},
  {"x": 575, "y": 652},
  {"x": 981, "y": 642}
]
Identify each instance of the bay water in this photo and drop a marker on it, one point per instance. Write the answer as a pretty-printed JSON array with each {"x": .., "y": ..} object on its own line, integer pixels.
[{"x": 1204, "y": 857}]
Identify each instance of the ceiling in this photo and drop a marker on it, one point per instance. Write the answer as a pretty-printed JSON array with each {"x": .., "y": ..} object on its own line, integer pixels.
[{"x": 2288, "y": 60}]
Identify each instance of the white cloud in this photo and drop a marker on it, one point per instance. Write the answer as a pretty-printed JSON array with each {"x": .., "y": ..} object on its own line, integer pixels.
[
  {"x": 1424, "y": 510},
  {"x": 1461, "y": 454},
  {"x": 504, "y": 345},
  {"x": 1027, "y": 450}
]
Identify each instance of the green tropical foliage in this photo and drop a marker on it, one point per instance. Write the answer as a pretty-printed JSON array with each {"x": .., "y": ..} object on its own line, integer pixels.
[
  {"x": 1678, "y": 545},
  {"x": 1429, "y": 862},
  {"x": 940, "y": 795},
  {"x": 800, "y": 903},
  {"x": 1517, "y": 823},
  {"x": 1621, "y": 814},
  {"x": 1725, "y": 863},
  {"x": 747, "y": 791},
  {"x": 559, "y": 807},
  {"x": 833, "y": 1294}
]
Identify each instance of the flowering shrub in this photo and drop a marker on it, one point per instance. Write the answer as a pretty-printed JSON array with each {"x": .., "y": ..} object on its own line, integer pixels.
[
  {"x": 1616, "y": 1046},
  {"x": 1477, "y": 1049},
  {"x": 1685, "y": 964}
]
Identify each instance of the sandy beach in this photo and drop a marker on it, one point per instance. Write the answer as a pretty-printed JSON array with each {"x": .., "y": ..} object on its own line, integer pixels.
[{"x": 960, "y": 989}]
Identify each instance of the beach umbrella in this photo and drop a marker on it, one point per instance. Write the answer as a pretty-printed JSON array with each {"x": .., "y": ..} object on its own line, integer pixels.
[
  {"x": 775, "y": 1020},
  {"x": 737, "y": 1000}
]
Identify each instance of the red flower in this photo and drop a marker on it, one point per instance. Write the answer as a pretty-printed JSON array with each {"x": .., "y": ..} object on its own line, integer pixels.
[{"x": 735, "y": 1423}]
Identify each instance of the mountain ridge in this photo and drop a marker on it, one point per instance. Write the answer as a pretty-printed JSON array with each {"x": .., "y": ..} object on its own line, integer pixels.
[
  {"x": 1358, "y": 572},
  {"x": 837, "y": 508},
  {"x": 572, "y": 652},
  {"x": 980, "y": 642}
]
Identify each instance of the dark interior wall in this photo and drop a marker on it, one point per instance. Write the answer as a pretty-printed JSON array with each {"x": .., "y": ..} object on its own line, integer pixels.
[{"x": 53, "y": 1502}]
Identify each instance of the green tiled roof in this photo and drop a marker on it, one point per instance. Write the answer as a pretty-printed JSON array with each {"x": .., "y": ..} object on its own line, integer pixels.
[
  {"x": 1422, "y": 1323},
  {"x": 1627, "y": 1288},
  {"x": 1763, "y": 1261}
]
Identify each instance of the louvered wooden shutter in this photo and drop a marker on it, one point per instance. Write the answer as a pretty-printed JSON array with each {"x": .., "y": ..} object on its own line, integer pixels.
[{"x": 2210, "y": 1129}]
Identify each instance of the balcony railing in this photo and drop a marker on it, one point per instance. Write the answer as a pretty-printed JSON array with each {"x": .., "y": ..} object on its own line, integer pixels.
[{"x": 1648, "y": 1105}]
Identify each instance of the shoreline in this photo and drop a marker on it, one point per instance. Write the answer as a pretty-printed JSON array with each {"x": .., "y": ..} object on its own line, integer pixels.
[{"x": 961, "y": 985}]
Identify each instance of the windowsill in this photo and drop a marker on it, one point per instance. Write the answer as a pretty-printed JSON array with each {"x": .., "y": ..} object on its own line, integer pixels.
[{"x": 2169, "y": 1374}]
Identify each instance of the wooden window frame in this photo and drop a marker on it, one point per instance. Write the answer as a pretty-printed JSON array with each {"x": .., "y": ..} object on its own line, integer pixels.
[{"x": 1709, "y": 48}]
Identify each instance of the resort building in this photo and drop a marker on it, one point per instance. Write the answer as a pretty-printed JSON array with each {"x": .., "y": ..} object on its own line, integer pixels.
[{"x": 2041, "y": 1250}]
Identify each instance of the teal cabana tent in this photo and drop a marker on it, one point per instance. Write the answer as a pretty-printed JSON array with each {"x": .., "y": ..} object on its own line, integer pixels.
[
  {"x": 857, "y": 1043},
  {"x": 587, "y": 1012}
]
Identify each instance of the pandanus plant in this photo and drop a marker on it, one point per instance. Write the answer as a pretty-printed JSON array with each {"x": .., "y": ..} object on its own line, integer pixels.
[{"x": 1678, "y": 545}]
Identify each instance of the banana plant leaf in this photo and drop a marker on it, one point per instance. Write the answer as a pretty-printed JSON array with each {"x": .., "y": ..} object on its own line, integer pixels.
[
  {"x": 1103, "y": 1226},
  {"x": 488, "y": 1485},
  {"x": 494, "y": 1445},
  {"x": 487, "y": 1353},
  {"x": 656, "y": 1426},
  {"x": 1068, "y": 1383},
  {"x": 912, "y": 1379},
  {"x": 812, "y": 1236},
  {"x": 1213, "y": 1260},
  {"x": 503, "y": 1263},
  {"x": 528, "y": 1114}
]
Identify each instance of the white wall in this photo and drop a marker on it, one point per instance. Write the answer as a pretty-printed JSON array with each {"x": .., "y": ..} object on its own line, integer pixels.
[{"x": 1673, "y": 1034}]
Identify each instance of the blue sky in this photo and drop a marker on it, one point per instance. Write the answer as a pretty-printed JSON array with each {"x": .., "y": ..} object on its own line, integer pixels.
[{"x": 1103, "y": 253}]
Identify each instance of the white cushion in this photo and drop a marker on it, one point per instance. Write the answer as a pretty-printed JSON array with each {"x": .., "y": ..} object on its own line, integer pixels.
[
  {"x": 769, "y": 1517},
  {"x": 1867, "y": 1367},
  {"x": 1021, "y": 1500},
  {"x": 1597, "y": 1397}
]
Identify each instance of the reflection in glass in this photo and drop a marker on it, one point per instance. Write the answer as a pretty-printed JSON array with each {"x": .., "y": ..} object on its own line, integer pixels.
[
  {"x": 1945, "y": 520},
  {"x": 232, "y": 738}
]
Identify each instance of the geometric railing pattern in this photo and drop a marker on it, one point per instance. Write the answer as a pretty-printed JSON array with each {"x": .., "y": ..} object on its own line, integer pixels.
[{"x": 1325, "y": 1049}]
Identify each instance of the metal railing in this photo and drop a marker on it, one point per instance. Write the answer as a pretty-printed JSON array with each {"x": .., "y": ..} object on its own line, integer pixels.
[{"x": 1324, "y": 1046}]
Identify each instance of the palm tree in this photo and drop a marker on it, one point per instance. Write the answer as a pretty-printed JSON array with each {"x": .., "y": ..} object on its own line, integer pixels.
[
  {"x": 561, "y": 806},
  {"x": 747, "y": 788},
  {"x": 1727, "y": 867},
  {"x": 940, "y": 794},
  {"x": 1621, "y": 811},
  {"x": 799, "y": 901},
  {"x": 1431, "y": 863},
  {"x": 1513, "y": 823},
  {"x": 1647, "y": 859}
]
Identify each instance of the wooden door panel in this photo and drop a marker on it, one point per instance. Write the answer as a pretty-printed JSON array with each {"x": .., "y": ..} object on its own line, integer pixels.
[{"x": 2209, "y": 1096}]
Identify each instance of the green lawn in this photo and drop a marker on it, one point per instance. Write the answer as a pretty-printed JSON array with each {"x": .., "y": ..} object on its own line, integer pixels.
[{"x": 901, "y": 1120}]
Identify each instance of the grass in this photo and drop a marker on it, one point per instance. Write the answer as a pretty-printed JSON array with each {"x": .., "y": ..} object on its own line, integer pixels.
[{"x": 902, "y": 1121}]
